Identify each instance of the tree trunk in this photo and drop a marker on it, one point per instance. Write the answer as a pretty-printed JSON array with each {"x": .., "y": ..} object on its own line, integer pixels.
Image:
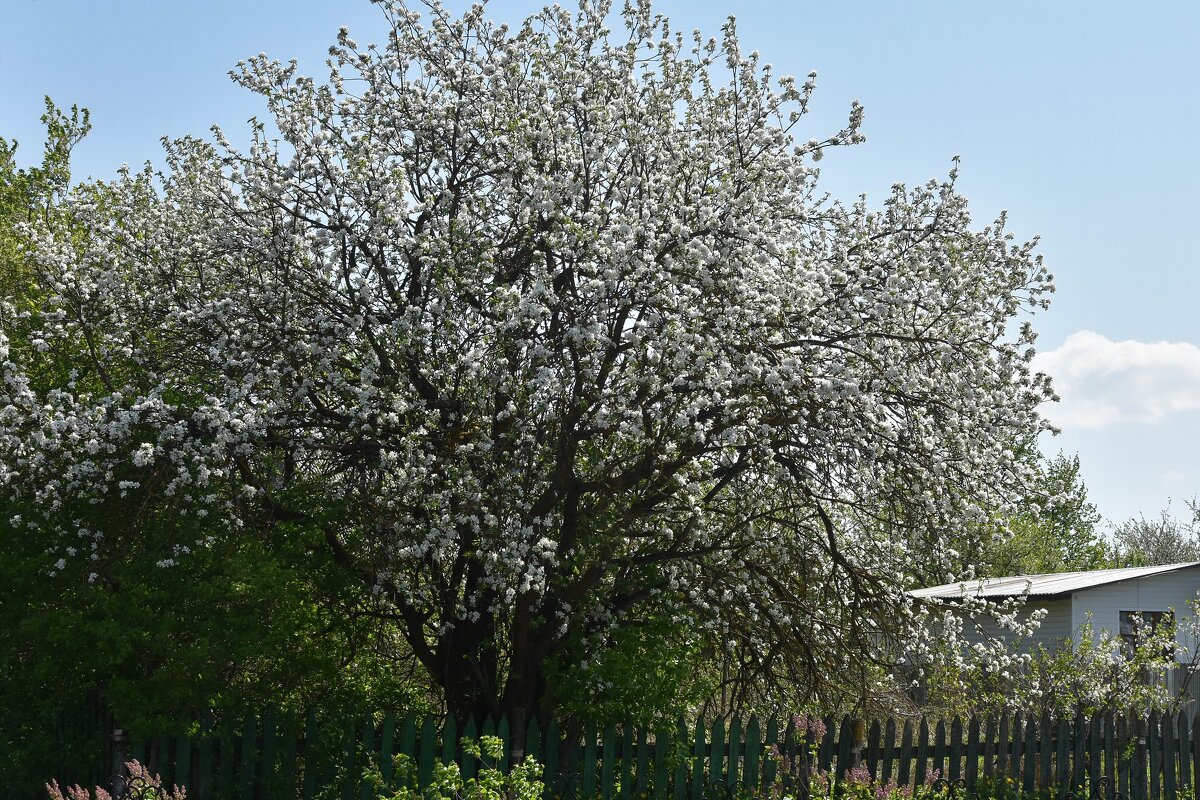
[
  {"x": 469, "y": 672},
  {"x": 468, "y": 668}
]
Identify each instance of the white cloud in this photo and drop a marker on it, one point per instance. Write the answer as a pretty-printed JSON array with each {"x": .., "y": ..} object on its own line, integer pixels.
[{"x": 1103, "y": 383}]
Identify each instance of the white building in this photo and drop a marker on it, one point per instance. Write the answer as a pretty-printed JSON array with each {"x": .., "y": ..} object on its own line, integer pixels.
[{"x": 1115, "y": 599}]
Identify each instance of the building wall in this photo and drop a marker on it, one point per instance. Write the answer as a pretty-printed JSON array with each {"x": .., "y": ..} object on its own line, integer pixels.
[
  {"x": 1064, "y": 617},
  {"x": 1055, "y": 627},
  {"x": 1169, "y": 591}
]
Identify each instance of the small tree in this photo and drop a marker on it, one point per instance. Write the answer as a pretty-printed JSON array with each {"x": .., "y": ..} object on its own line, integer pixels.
[{"x": 539, "y": 332}]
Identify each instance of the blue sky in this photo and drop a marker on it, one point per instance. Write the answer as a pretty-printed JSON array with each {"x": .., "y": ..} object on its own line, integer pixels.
[{"x": 1079, "y": 118}]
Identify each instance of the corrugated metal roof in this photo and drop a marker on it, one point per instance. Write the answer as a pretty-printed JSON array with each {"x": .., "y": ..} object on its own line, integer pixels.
[{"x": 1057, "y": 583}]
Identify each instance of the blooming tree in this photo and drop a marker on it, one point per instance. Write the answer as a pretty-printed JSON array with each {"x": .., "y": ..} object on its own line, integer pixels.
[{"x": 538, "y": 328}]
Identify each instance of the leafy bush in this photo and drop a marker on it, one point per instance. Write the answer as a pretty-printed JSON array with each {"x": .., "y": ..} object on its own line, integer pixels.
[{"x": 522, "y": 782}]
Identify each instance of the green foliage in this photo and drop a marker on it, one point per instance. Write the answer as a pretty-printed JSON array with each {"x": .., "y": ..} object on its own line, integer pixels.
[
  {"x": 1092, "y": 671},
  {"x": 522, "y": 782},
  {"x": 1056, "y": 529},
  {"x": 1005, "y": 787},
  {"x": 253, "y": 620},
  {"x": 654, "y": 670}
]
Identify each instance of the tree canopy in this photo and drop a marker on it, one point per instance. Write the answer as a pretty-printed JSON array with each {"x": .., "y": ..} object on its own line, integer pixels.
[
  {"x": 242, "y": 623},
  {"x": 1165, "y": 539},
  {"x": 541, "y": 333},
  {"x": 1054, "y": 529}
]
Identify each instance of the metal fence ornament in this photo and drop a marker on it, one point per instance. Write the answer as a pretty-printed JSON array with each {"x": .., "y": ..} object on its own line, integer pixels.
[{"x": 1099, "y": 791}]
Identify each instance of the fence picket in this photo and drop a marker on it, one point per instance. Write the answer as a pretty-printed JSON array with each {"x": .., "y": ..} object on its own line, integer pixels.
[
  {"x": 427, "y": 747},
  {"x": 889, "y": 745},
  {"x": 906, "y": 743},
  {"x": 797, "y": 750},
  {"x": 387, "y": 741},
  {"x": 828, "y": 748},
  {"x": 1078, "y": 776},
  {"x": 625, "y": 790},
  {"x": 137, "y": 751},
  {"x": 1045, "y": 751},
  {"x": 1122, "y": 743},
  {"x": 505, "y": 734},
  {"x": 349, "y": 739},
  {"x": 641, "y": 776},
  {"x": 1015, "y": 741},
  {"x": 226, "y": 760},
  {"x": 716, "y": 753},
  {"x": 183, "y": 760},
  {"x": 588, "y": 768},
  {"x": 610, "y": 756},
  {"x": 873, "y": 737},
  {"x": 204, "y": 765},
  {"x": 939, "y": 750},
  {"x": 698, "y": 754},
  {"x": 1195, "y": 751},
  {"x": 532, "y": 739},
  {"x": 680, "y": 778},
  {"x": 1138, "y": 777},
  {"x": 311, "y": 762},
  {"x": 1110, "y": 754},
  {"x": 1169, "y": 759},
  {"x": 1184, "y": 741},
  {"x": 267, "y": 766},
  {"x": 751, "y": 753},
  {"x": 922, "y": 751},
  {"x": 1002, "y": 748},
  {"x": 1029, "y": 749},
  {"x": 954, "y": 767},
  {"x": 162, "y": 765},
  {"x": 971, "y": 773},
  {"x": 769, "y": 765},
  {"x": 661, "y": 737},
  {"x": 370, "y": 754},
  {"x": 570, "y": 759},
  {"x": 732, "y": 771},
  {"x": 408, "y": 742},
  {"x": 552, "y": 749},
  {"x": 450, "y": 739},
  {"x": 1062, "y": 765},
  {"x": 1150, "y": 734},
  {"x": 467, "y": 765},
  {"x": 989, "y": 748},
  {"x": 1154, "y": 751}
]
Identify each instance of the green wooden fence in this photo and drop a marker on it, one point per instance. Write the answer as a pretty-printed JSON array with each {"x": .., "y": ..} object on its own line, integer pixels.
[{"x": 272, "y": 755}]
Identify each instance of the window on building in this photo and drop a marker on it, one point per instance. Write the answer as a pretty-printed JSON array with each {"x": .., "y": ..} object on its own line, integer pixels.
[{"x": 1137, "y": 625}]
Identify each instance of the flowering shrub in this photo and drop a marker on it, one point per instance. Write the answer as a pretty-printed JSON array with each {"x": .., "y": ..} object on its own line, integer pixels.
[
  {"x": 857, "y": 784},
  {"x": 1094, "y": 670},
  {"x": 803, "y": 726},
  {"x": 140, "y": 782}
]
